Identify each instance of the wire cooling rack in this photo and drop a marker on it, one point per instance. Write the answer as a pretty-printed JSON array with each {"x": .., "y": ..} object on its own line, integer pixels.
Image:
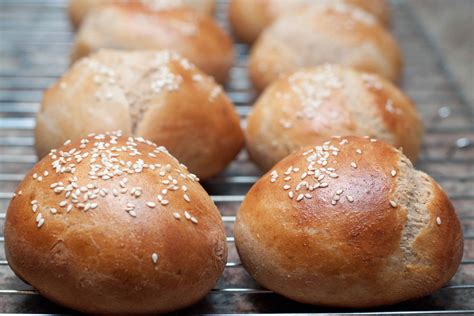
[{"x": 35, "y": 40}]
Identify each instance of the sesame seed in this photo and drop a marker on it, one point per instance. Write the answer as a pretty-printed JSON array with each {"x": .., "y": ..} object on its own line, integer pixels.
[
  {"x": 354, "y": 165},
  {"x": 40, "y": 222},
  {"x": 359, "y": 151},
  {"x": 324, "y": 185},
  {"x": 176, "y": 215},
  {"x": 393, "y": 173},
  {"x": 132, "y": 213},
  {"x": 187, "y": 215},
  {"x": 286, "y": 187},
  {"x": 154, "y": 257},
  {"x": 67, "y": 142},
  {"x": 350, "y": 198},
  {"x": 339, "y": 192},
  {"x": 194, "y": 220},
  {"x": 34, "y": 208},
  {"x": 164, "y": 202},
  {"x": 291, "y": 194},
  {"x": 333, "y": 202},
  {"x": 63, "y": 203},
  {"x": 186, "y": 198},
  {"x": 393, "y": 203},
  {"x": 53, "y": 210},
  {"x": 151, "y": 204},
  {"x": 300, "y": 197},
  {"x": 438, "y": 220}
]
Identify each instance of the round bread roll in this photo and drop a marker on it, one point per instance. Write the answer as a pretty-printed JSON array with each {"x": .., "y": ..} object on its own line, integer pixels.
[
  {"x": 156, "y": 95},
  {"x": 130, "y": 26},
  {"x": 249, "y": 17},
  {"x": 78, "y": 9},
  {"x": 349, "y": 223},
  {"x": 115, "y": 224},
  {"x": 332, "y": 33},
  {"x": 311, "y": 104}
]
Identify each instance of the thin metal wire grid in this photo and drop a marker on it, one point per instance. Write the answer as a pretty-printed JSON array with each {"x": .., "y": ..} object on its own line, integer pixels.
[{"x": 34, "y": 52}]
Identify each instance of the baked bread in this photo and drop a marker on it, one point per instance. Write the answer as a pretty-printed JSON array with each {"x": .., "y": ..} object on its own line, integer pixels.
[
  {"x": 111, "y": 224},
  {"x": 331, "y": 33},
  {"x": 328, "y": 100},
  {"x": 78, "y": 9},
  {"x": 156, "y": 95},
  {"x": 130, "y": 26},
  {"x": 249, "y": 18},
  {"x": 348, "y": 223}
]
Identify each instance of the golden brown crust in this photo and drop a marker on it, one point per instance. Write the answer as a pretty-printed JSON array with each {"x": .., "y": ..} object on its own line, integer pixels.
[
  {"x": 341, "y": 244},
  {"x": 78, "y": 9},
  {"x": 331, "y": 33},
  {"x": 249, "y": 18},
  {"x": 300, "y": 108},
  {"x": 98, "y": 257},
  {"x": 132, "y": 27},
  {"x": 157, "y": 95}
]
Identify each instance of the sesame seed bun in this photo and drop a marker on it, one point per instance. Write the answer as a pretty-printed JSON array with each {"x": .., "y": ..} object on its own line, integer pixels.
[
  {"x": 111, "y": 224},
  {"x": 249, "y": 18},
  {"x": 310, "y": 104},
  {"x": 130, "y": 26},
  {"x": 156, "y": 95},
  {"x": 348, "y": 230},
  {"x": 330, "y": 33},
  {"x": 78, "y": 9}
]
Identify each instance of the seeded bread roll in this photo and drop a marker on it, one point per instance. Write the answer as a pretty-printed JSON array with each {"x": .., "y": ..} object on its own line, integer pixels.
[
  {"x": 78, "y": 9},
  {"x": 331, "y": 33},
  {"x": 129, "y": 26},
  {"x": 157, "y": 95},
  {"x": 348, "y": 223},
  {"x": 250, "y": 17},
  {"x": 320, "y": 102},
  {"x": 111, "y": 224}
]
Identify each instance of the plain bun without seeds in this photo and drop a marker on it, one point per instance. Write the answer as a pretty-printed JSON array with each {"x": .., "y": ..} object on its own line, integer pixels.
[
  {"x": 328, "y": 33},
  {"x": 78, "y": 9},
  {"x": 154, "y": 94},
  {"x": 310, "y": 104},
  {"x": 348, "y": 223},
  {"x": 250, "y": 17},
  {"x": 131, "y": 26},
  {"x": 115, "y": 224}
]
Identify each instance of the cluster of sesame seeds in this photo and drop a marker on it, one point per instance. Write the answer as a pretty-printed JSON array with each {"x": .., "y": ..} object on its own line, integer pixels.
[
  {"x": 312, "y": 89},
  {"x": 215, "y": 92},
  {"x": 319, "y": 173},
  {"x": 108, "y": 160},
  {"x": 371, "y": 81},
  {"x": 164, "y": 78},
  {"x": 354, "y": 12}
]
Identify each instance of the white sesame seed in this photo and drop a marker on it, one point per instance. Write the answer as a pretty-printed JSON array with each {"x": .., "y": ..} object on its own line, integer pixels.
[
  {"x": 359, "y": 151},
  {"x": 53, "y": 210},
  {"x": 63, "y": 203},
  {"x": 194, "y": 220},
  {"x": 339, "y": 192},
  {"x": 154, "y": 257},
  {"x": 40, "y": 222},
  {"x": 393, "y": 173},
  {"x": 350, "y": 198},
  {"x": 300, "y": 197},
  {"x": 69, "y": 208},
  {"x": 291, "y": 194},
  {"x": 354, "y": 165},
  {"x": 94, "y": 205},
  {"x": 176, "y": 215},
  {"x": 286, "y": 187},
  {"x": 151, "y": 204},
  {"x": 187, "y": 215},
  {"x": 164, "y": 202},
  {"x": 34, "y": 208},
  {"x": 67, "y": 142},
  {"x": 324, "y": 185},
  {"x": 393, "y": 203},
  {"x": 333, "y": 202},
  {"x": 186, "y": 198},
  {"x": 132, "y": 213},
  {"x": 438, "y": 220}
]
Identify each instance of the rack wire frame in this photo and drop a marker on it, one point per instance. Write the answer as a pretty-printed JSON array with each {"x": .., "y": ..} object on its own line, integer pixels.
[{"x": 35, "y": 40}]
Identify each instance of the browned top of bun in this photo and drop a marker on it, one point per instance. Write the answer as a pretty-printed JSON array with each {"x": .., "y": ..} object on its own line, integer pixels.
[
  {"x": 114, "y": 224},
  {"x": 250, "y": 17},
  {"x": 131, "y": 26},
  {"x": 327, "y": 33},
  {"x": 154, "y": 94},
  {"x": 78, "y": 9},
  {"x": 300, "y": 108},
  {"x": 348, "y": 223}
]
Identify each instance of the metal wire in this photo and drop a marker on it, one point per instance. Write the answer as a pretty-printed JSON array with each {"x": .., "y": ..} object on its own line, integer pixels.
[{"x": 27, "y": 27}]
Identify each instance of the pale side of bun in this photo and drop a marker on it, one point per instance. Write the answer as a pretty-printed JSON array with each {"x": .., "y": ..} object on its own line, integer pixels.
[
  {"x": 250, "y": 17},
  {"x": 157, "y": 95},
  {"x": 315, "y": 103},
  {"x": 371, "y": 231},
  {"x": 78, "y": 9},
  {"x": 132, "y": 27},
  {"x": 332, "y": 33},
  {"x": 111, "y": 224}
]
